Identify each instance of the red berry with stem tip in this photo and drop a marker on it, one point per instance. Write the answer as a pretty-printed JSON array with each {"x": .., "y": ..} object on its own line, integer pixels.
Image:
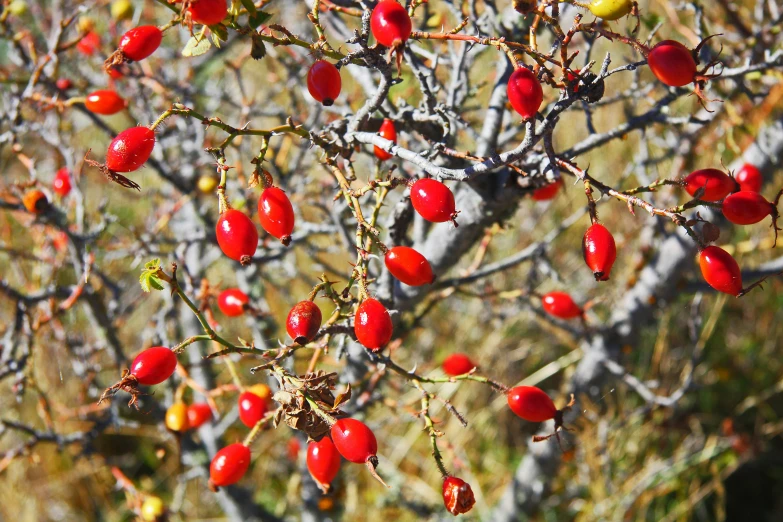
[
  {"x": 229, "y": 465},
  {"x": 236, "y": 235},
  {"x": 323, "y": 460},
  {"x": 199, "y": 413},
  {"x": 276, "y": 214},
  {"x": 324, "y": 82},
  {"x": 672, "y": 63},
  {"x": 717, "y": 184},
  {"x": 525, "y": 93},
  {"x": 457, "y": 495},
  {"x": 63, "y": 84},
  {"x": 105, "y": 102},
  {"x": 390, "y": 24},
  {"x": 457, "y": 364},
  {"x": 749, "y": 178},
  {"x": 354, "y": 440},
  {"x": 531, "y": 404},
  {"x": 389, "y": 132},
  {"x": 89, "y": 43},
  {"x": 372, "y": 324},
  {"x": 547, "y": 192},
  {"x": 720, "y": 270},
  {"x": 560, "y": 304},
  {"x": 433, "y": 200},
  {"x": 303, "y": 322},
  {"x": 232, "y": 302},
  {"x": 747, "y": 208},
  {"x": 130, "y": 149},
  {"x": 62, "y": 182},
  {"x": 252, "y": 408},
  {"x": 208, "y": 12},
  {"x": 409, "y": 266},
  {"x": 599, "y": 251},
  {"x": 154, "y": 365},
  {"x": 140, "y": 42}
]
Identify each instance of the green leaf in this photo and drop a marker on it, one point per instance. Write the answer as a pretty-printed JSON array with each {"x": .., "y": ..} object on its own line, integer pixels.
[
  {"x": 257, "y": 48},
  {"x": 148, "y": 278},
  {"x": 220, "y": 31},
  {"x": 196, "y": 47},
  {"x": 258, "y": 18},
  {"x": 250, "y": 6}
]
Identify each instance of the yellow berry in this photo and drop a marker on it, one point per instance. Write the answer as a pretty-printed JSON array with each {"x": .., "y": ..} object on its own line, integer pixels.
[
  {"x": 177, "y": 417},
  {"x": 152, "y": 509},
  {"x": 85, "y": 24},
  {"x": 18, "y": 7},
  {"x": 121, "y": 10},
  {"x": 610, "y": 9},
  {"x": 262, "y": 390},
  {"x": 207, "y": 184}
]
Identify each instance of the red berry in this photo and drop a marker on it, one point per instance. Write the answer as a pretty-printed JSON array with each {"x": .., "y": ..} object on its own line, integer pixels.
[
  {"x": 324, "y": 82},
  {"x": 236, "y": 235},
  {"x": 294, "y": 446},
  {"x": 387, "y": 131},
  {"x": 354, "y": 440},
  {"x": 323, "y": 460},
  {"x": 252, "y": 408},
  {"x": 63, "y": 84},
  {"x": 114, "y": 73},
  {"x": 232, "y": 302},
  {"x": 457, "y": 364},
  {"x": 457, "y": 495},
  {"x": 749, "y": 178},
  {"x": 276, "y": 214},
  {"x": 409, "y": 266},
  {"x": 531, "y": 404},
  {"x": 208, "y": 12},
  {"x": 525, "y": 93},
  {"x": 130, "y": 149},
  {"x": 89, "y": 43},
  {"x": 717, "y": 184},
  {"x": 561, "y": 305},
  {"x": 433, "y": 200},
  {"x": 720, "y": 270},
  {"x": 229, "y": 465},
  {"x": 599, "y": 251},
  {"x": 372, "y": 324},
  {"x": 390, "y": 23},
  {"x": 62, "y": 182},
  {"x": 574, "y": 78},
  {"x": 199, "y": 413},
  {"x": 105, "y": 102},
  {"x": 672, "y": 63},
  {"x": 154, "y": 365},
  {"x": 303, "y": 322},
  {"x": 746, "y": 208},
  {"x": 547, "y": 192},
  {"x": 140, "y": 42}
]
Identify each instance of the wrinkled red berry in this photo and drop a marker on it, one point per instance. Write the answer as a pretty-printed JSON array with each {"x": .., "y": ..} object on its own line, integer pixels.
[
  {"x": 303, "y": 322},
  {"x": 354, "y": 440},
  {"x": 236, "y": 235},
  {"x": 323, "y": 460},
  {"x": 229, "y": 465},
  {"x": 457, "y": 364},
  {"x": 390, "y": 23},
  {"x": 62, "y": 182},
  {"x": 531, "y": 404},
  {"x": 720, "y": 270},
  {"x": 457, "y": 495},
  {"x": 208, "y": 12},
  {"x": 389, "y": 132},
  {"x": 324, "y": 82},
  {"x": 105, "y": 102},
  {"x": 672, "y": 63},
  {"x": 433, "y": 200},
  {"x": 409, "y": 266},
  {"x": 525, "y": 93},
  {"x": 599, "y": 251},
  {"x": 154, "y": 365},
  {"x": 130, "y": 149},
  {"x": 560, "y": 304},
  {"x": 717, "y": 184},
  {"x": 749, "y": 178},
  {"x": 373, "y": 324},
  {"x": 232, "y": 302},
  {"x": 276, "y": 214}
]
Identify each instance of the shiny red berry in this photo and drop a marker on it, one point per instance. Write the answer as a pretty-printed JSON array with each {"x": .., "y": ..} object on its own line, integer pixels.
[
  {"x": 560, "y": 304},
  {"x": 252, "y": 408},
  {"x": 457, "y": 364},
  {"x": 236, "y": 235},
  {"x": 717, "y": 184},
  {"x": 208, "y": 12},
  {"x": 354, "y": 440},
  {"x": 672, "y": 63},
  {"x": 140, "y": 42},
  {"x": 390, "y": 23},
  {"x": 433, "y": 200},
  {"x": 599, "y": 251},
  {"x": 373, "y": 324},
  {"x": 409, "y": 266},
  {"x": 547, "y": 192},
  {"x": 232, "y": 302},
  {"x": 130, "y": 149},
  {"x": 303, "y": 322},
  {"x": 199, "y": 413},
  {"x": 154, "y": 365},
  {"x": 89, "y": 43},
  {"x": 457, "y": 495},
  {"x": 324, "y": 82},
  {"x": 525, "y": 93},
  {"x": 746, "y": 208},
  {"x": 63, "y": 84},
  {"x": 229, "y": 465},
  {"x": 749, "y": 178},
  {"x": 105, "y": 102},
  {"x": 387, "y": 131},
  {"x": 276, "y": 214},
  {"x": 720, "y": 270},
  {"x": 323, "y": 460},
  {"x": 531, "y": 404},
  {"x": 62, "y": 182}
]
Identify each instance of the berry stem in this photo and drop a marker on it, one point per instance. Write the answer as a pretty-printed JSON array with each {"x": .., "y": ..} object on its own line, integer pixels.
[
  {"x": 251, "y": 436},
  {"x": 429, "y": 425}
]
